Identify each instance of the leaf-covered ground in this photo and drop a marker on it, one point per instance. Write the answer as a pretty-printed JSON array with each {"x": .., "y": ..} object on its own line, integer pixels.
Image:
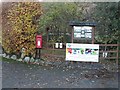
[{"x": 20, "y": 75}]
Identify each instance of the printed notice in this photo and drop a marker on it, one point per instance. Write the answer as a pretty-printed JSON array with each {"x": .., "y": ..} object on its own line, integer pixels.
[{"x": 82, "y": 52}]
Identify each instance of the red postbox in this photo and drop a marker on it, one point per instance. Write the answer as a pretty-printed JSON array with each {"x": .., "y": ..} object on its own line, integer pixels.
[{"x": 38, "y": 41}]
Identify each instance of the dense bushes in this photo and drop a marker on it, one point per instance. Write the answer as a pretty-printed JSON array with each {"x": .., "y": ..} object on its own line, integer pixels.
[{"x": 22, "y": 20}]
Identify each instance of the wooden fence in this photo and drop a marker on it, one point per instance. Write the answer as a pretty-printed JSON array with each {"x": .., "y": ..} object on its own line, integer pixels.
[
  {"x": 111, "y": 51},
  {"x": 106, "y": 51}
]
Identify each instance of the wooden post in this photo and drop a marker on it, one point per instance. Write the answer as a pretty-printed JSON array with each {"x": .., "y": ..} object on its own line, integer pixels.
[
  {"x": 72, "y": 35},
  {"x": 93, "y": 35},
  {"x": 117, "y": 54},
  {"x": 47, "y": 32}
]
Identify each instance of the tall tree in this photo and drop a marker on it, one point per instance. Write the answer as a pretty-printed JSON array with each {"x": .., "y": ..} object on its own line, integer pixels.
[
  {"x": 22, "y": 17},
  {"x": 56, "y": 17},
  {"x": 106, "y": 15}
]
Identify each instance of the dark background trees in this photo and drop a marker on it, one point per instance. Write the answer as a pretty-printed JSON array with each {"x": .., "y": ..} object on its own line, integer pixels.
[
  {"x": 56, "y": 18},
  {"x": 107, "y": 18}
]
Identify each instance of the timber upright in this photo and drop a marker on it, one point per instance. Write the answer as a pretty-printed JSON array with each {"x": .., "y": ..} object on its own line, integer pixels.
[{"x": 38, "y": 46}]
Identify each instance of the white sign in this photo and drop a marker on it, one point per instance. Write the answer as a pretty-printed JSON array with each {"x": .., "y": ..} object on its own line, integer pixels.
[
  {"x": 82, "y": 52},
  {"x": 56, "y": 45},
  {"x": 61, "y": 45},
  {"x": 38, "y": 43},
  {"x": 82, "y": 32}
]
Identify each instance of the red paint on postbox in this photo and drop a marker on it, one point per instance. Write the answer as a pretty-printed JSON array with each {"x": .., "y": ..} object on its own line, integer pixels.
[{"x": 38, "y": 41}]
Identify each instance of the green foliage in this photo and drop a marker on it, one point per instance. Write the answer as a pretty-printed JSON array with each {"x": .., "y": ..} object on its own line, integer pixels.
[
  {"x": 22, "y": 18},
  {"x": 106, "y": 15},
  {"x": 56, "y": 17}
]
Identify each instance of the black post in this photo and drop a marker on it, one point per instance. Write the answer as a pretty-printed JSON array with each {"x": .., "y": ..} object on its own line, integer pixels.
[
  {"x": 36, "y": 54},
  {"x": 39, "y": 53}
]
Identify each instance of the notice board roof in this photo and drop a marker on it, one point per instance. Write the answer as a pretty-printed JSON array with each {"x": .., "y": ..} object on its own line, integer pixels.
[{"x": 77, "y": 23}]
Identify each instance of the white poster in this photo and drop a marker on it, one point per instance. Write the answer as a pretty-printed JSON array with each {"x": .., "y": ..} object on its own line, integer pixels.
[
  {"x": 82, "y": 52},
  {"x": 82, "y": 32}
]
